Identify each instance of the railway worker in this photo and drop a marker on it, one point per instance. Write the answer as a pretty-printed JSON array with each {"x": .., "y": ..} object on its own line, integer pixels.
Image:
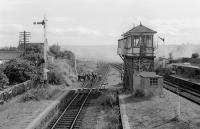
[
  {"x": 87, "y": 77},
  {"x": 90, "y": 75},
  {"x": 81, "y": 77},
  {"x": 84, "y": 76},
  {"x": 95, "y": 75},
  {"x": 103, "y": 86},
  {"x": 100, "y": 77}
]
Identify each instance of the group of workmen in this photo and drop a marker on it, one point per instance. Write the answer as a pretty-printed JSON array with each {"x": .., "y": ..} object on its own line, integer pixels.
[{"x": 89, "y": 76}]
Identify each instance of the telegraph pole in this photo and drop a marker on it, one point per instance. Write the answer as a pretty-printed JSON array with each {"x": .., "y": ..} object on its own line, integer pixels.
[
  {"x": 24, "y": 38},
  {"x": 44, "y": 24}
]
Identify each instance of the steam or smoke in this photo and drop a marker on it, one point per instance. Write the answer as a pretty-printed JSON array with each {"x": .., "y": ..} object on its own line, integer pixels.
[
  {"x": 109, "y": 53},
  {"x": 178, "y": 51}
]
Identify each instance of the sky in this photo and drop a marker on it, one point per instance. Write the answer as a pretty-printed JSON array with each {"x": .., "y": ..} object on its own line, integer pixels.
[{"x": 99, "y": 22}]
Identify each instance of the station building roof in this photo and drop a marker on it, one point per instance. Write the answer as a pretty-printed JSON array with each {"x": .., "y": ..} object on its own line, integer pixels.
[{"x": 139, "y": 29}]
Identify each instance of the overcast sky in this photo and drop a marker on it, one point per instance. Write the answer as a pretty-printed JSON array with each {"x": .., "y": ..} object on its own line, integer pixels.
[{"x": 99, "y": 22}]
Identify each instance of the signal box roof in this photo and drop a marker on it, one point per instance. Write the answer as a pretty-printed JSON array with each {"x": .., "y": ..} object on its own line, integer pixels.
[{"x": 138, "y": 30}]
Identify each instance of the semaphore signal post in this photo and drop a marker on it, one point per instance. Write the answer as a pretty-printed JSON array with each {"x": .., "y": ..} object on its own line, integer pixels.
[{"x": 44, "y": 23}]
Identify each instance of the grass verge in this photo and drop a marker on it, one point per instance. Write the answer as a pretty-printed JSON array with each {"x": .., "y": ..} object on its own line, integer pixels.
[
  {"x": 109, "y": 106},
  {"x": 37, "y": 94}
]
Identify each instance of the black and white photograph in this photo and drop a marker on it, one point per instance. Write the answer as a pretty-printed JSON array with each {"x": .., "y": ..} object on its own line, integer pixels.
[{"x": 99, "y": 64}]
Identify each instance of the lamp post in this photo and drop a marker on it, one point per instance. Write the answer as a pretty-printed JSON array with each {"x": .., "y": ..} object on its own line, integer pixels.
[{"x": 44, "y": 24}]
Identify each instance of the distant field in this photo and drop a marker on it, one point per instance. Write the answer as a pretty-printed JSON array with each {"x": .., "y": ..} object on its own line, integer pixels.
[
  {"x": 104, "y": 53},
  {"x": 109, "y": 52}
]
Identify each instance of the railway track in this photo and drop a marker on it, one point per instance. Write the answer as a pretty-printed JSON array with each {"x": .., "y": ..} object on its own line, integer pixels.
[
  {"x": 184, "y": 92},
  {"x": 104, "y": 71},
  {"x": 69, "y": 119},
  {"x": 72, "y": 116},
  {"x": 188, "y": 93},
  {"x": 118, "y": 67}
]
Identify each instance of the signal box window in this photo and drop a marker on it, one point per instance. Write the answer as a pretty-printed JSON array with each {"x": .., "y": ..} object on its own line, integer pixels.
[
  {"x": 135, "y": 41},
  {"x": 153, "y": 81}
]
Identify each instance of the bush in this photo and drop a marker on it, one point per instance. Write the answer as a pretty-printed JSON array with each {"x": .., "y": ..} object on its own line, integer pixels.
[
  {"x": 139, "y": 93},
  {"x": 55, "y": 77},
  {"x": 184, "y": 59},
  {"x": 108, "y": 99},
  {"x": 35, "y": 58},
  {"x": 34, "y": 49},
  {"x": 113, "y": 118},
  {"x": 68, "y": 55},
  {"x": 19, "y": 70},
  {"x": 195, "y": 55},
  {"x": 3, "y": 80},
  {"x": 39, "y": 94},
  {"x": 55, "y": 49},
  {"x": 30, "y": 95}
]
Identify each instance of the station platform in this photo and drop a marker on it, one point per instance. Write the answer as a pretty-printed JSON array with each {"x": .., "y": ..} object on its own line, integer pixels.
[{"x": 158, "y": 112}]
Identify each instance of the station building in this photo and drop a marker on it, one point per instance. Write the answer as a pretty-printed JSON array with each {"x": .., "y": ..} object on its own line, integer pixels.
[{"x": 136, "y": 49}]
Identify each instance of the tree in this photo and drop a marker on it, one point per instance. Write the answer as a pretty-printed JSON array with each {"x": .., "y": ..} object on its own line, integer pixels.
[
  {"x": 36, "y": 58},
  {"x": 55, "y": 49},
  {"x": 34, "y": 49},
  {"x": 19, "y": 70},
  {"x": 195, "y": 55},
  {"x": 68, "y": 55},
  {"x": 26, "y": 67}
]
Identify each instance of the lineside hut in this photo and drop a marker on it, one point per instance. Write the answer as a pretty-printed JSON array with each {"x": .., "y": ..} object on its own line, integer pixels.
[{"x": 150, "y": 83}]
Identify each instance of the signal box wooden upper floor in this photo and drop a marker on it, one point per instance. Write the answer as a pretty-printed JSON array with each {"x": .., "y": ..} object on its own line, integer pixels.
[{"x": 137, "y": 42}]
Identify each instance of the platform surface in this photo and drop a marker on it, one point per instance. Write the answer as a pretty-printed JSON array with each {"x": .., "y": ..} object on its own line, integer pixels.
[{"x": 158, "y": 112}]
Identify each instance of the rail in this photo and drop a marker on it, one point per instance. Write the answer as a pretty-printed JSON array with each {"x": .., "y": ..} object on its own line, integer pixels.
[
  {"x": 63, "y": 112},
  {"x": 72, "y": 112},
  {"x": 80, "y": 110},
  {"x": 186, "y": 93},
  {"x": 118, "y": 67}
]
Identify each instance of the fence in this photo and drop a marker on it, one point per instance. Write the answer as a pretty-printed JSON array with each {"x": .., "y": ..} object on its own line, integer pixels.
[{"x": 15, "y": 90}]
